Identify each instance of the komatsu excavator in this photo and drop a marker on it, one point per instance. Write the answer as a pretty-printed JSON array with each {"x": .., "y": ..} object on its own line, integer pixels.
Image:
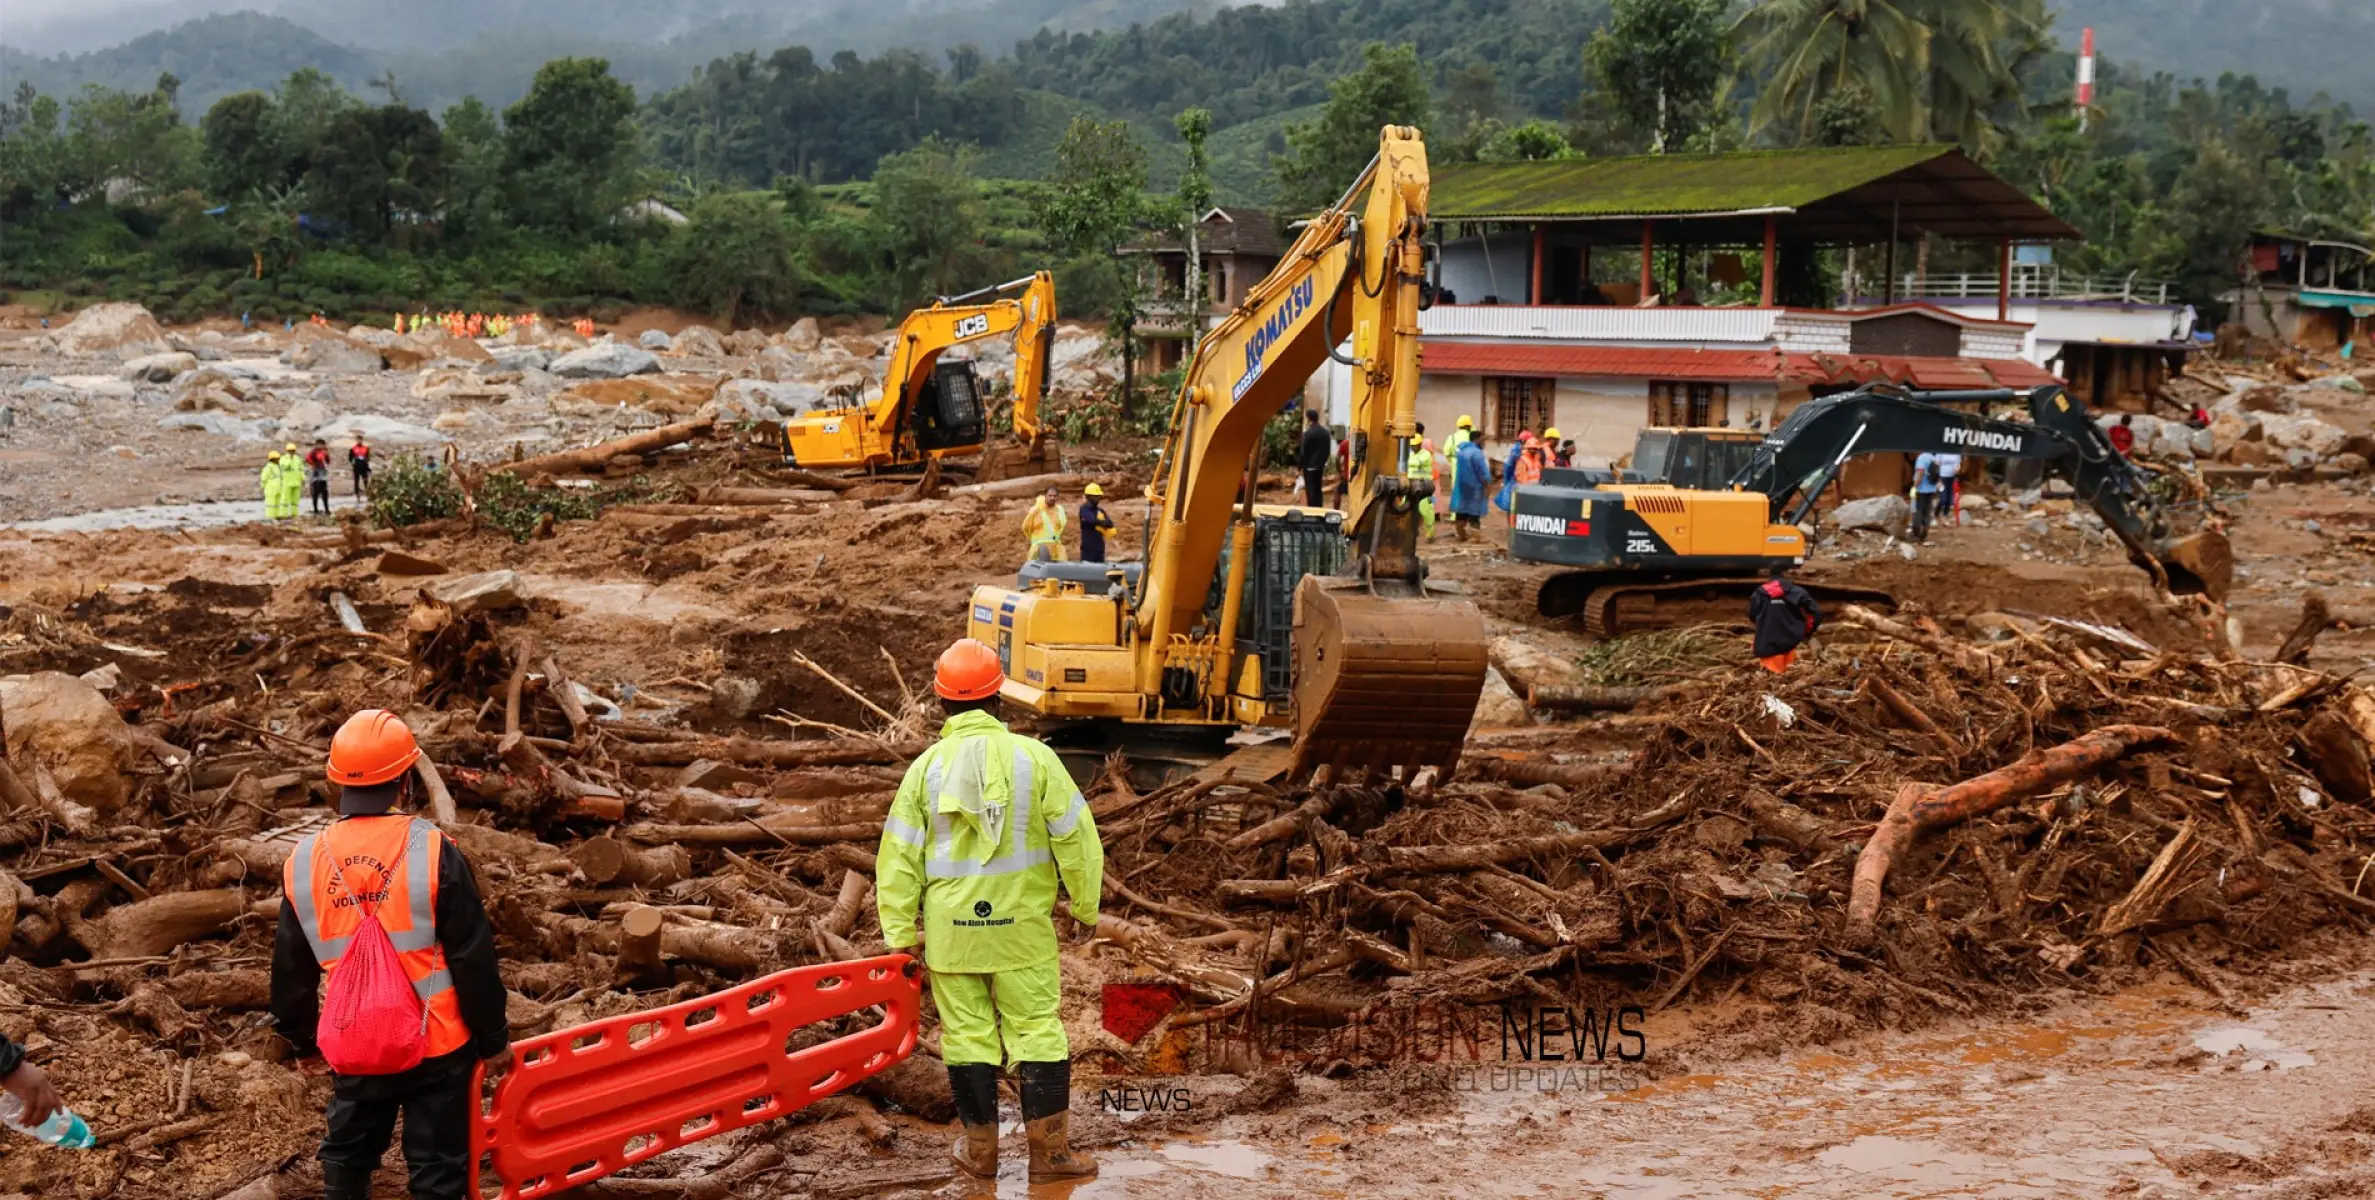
[
  {"x": 1248, "y": 614},
  {"x": 1659, "y": 544},
  {"x": 931, "y": 409}
]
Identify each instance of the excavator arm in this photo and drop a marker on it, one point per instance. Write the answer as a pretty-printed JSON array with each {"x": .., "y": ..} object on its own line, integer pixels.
[
  {"x": 891, "y": 431},
  {"x": 1806, "y": 450},
  {"x": 1388, "y": 670}
]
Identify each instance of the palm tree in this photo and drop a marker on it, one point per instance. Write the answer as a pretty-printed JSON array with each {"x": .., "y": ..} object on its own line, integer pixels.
[
  {"x": 1977, "y": 48},
  {"x": 1809, "y": 48}
]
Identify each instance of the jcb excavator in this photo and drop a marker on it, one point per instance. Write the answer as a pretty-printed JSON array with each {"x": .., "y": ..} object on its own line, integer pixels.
[
  {"x": 1660, "y": 551},
  {"x": 1247, "y": 614},
  {"x": 932, "y": 409}
]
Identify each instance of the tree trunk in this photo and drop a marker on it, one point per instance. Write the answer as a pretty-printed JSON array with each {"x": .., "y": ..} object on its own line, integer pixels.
[
  {"x": 596, "y": 458},
  {"x": 157, "y": 926}
]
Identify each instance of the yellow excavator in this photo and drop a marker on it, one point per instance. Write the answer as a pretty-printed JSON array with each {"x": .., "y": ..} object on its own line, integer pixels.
[
  {"x": 931, "y": 409},
  {"x": 1257, "y": 615}
]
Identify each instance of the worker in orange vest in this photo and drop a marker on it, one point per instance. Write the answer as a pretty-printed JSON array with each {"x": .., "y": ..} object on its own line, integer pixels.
[{"x": 379, "y": 860}]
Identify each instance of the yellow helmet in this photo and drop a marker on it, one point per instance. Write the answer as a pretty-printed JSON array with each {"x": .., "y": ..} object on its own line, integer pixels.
[
  {"x": 291, "y": 448},
  {"x": 1092, "y": 490},
  {"x": 1551, "y": 434},
  {"x": 272, "y": 456},
  {"x": 1465, "y": 422}
]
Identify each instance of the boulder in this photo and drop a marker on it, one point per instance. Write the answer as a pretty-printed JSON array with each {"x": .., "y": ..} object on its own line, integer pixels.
[
  {"x": 2300, "y": 459},
  {"x": 2366, "y": 379},
  {"x": 2171, "y": 442},
  {"x": 860, "y": 345},
  {"x": 413, "y": 351},
  {"x": 58, "y": 722},
  {"x": 458, "y": 384},
  {"x": 741, "y": 400},
  {"x": 669, "y": 395},
  {"x": 453, "y": 420},
  {"x": 746, "y": 342},
  {"x": 2302, "y": 432},
  {"x": 2356, "y": 464},
  {"x": 306, "y": 414},
  {"x": 518, "y": 358},
  {"x": 483, "y": 592},
  {"x": 204, "y": 399},
  {"x": 609, "y": 360},
  {"x": 160, "y": 368},
  {"x": 700, "y": 340},
  {"x": 376, "y": 429},
  {"x": 103, "y": 328},
  {"x": 2248, "y": 454},
  {"x": 217, "y": 423},
  {"x": 374, "y": 336},
  {"x": 802, "y": 337},
  {"x": 1884, "y": 514},
  {"x": 230, "y": 381},
  {"x": 332, "y": 354},
  {"x": 2201, "y": 442},
  {"x": 1500, "y": 707},
  {"x": 654, "y": 339},
  {"x": 2335, "y": 383},
  {"x": 2232, "y": 427},
  {"x": 2268, "y": 398}
]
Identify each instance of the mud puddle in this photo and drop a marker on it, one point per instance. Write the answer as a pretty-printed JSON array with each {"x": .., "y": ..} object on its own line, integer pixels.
[
  {"x": 208, "y": 514},
  {"x": 2147, "y": 1094}
]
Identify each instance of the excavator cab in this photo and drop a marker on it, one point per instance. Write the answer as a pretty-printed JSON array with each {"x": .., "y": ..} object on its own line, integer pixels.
[{"x": 949, "y": 411}]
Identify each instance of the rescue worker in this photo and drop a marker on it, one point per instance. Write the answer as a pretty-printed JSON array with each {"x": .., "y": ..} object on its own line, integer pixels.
[
  {"x": 317, "y": 477},
  {"x": 1043, "y": 526},
  {"x": 358, "y": 460},
  {"x": 428, "y": 901},
  {"x": 982, "y": 828},
  {"x": 1557, "y": 451},
  {"x": 1517, "y": 451},
  {"x": 1463, "y": 431},
  {"x": 292, "y": 481},
  {"x": 1784, "y": 615},
  {"x": 268, "y": 480},
  {"x": 1471, "y": 479},
  {"x": 1094, "y": 524},
  {"x": 1421, "y": 465},
  {"x": 1311, "y": 457}
]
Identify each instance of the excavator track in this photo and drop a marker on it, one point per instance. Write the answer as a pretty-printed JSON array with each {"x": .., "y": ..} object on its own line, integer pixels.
[{"x": 1612, "y": 605}]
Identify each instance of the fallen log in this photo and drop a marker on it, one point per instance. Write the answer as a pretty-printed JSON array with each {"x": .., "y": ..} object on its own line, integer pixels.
[
  {"x": 1910, "y": 715},
  {"x": 606, "y": 861},
  {"x": 721, "y": 1184},
  {"x": 1433, "y": 860},
  {"x": 239, "y": 989},
  {"x": 743, "y": 497},
  {"x": 241, "y": 859},
  {"x": 595, "y": 459},
  {"x": 1285, "y": 824},
  {"x": 1920, "y": 808},
  {"x": 751, "y": 752},
  {"x": 810, "y": 479},
  {"x": 1528, "y": 771},
  {"x": 639, "y": 944},
  {"x": 159, "y": 925},
  {"x": 727, "y": 947},
  {"x": 1964, "y": 657},
  {"x": 1559, "y": 698},
  {"x": 2316, "y": 618},
  {"x": 751, "y": 834},
  {"x": 1027, "y": 485}
]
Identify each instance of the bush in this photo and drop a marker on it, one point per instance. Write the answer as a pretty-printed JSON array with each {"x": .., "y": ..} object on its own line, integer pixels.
[
  {"x": 522, "y": 511},
  {"x": 408, "y": 491}
]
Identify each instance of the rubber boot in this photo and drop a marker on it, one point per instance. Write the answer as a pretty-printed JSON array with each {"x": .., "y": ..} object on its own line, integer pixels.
[
  {"x": 343, "y": 1182},
  {"x": 1047, "y": 1121},
  {"x": 974, "y": 1087}
]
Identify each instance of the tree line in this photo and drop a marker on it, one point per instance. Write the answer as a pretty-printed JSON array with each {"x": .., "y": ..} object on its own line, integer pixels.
[{"x": 853, "y": 184}]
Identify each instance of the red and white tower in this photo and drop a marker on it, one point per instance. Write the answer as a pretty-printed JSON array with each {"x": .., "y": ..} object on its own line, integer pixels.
[{"x": 2086, "y": 75}]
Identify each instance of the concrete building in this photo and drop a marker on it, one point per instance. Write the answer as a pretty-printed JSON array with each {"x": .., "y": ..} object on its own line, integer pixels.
[
  {"x": 1238, "y": 246},
  {"x": 1603, "y": 295},
  {"x": 2311, "y": 292}
]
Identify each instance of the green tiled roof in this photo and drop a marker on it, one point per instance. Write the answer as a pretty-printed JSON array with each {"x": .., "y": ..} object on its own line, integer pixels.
[{"x": 1668, "y": 184}]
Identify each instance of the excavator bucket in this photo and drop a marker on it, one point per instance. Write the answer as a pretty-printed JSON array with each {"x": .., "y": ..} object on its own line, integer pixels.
[
  {"x": 2202, "y": 564},
  {"x": 1388, "y": 669}
]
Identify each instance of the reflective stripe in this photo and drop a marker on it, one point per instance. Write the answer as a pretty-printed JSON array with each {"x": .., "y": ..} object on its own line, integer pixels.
[
  {"x": 419, "y": 882},
  {"x": 301, "y": 900},
  {"x": 934, "y": 776},
  {"x": 1021, "y": 779},
  {"x": 428, "y": 986},
  {"x": 903, "y": 833},
  {"x": 1062, "y": 824},
  {"x": 1007, "y": 864},
  {"x": 419, "y": 879}
]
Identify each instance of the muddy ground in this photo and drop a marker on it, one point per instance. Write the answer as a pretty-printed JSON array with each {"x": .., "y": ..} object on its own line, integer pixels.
[{"x": 2232, "y": 1064}]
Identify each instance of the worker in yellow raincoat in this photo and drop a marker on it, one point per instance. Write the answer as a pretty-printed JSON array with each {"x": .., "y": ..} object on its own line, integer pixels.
[
  {"x": 982, "y": 829},
  {"x": 1043, "y": 527},
  {"x": 1421, "y": 465},
  {"x": 268, "y": 481}
]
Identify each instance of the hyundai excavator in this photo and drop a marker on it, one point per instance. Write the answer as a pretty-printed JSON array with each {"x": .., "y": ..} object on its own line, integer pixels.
[
  {"x": 1255, "y": 615},
  {"x": 1660, "y": 544},
  {"x": 931, "y": 409}
]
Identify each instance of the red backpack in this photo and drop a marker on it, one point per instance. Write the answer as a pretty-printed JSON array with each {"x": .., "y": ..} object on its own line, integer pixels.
[{"x": 373, "y": 1023}]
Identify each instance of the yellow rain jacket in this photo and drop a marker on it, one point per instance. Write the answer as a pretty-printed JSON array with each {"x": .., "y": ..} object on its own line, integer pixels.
[
  {"x": 1045, "y": 524},
  {"x": 983, "y": 825}
]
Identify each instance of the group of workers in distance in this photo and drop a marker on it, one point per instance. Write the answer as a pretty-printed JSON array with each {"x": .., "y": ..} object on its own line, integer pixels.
[
  {"x": 1465, "y": 461},
  {"x": 985, "y": 828},
  {"x": 290, "y": 479},
  {"x": 1044, "y": 525}
]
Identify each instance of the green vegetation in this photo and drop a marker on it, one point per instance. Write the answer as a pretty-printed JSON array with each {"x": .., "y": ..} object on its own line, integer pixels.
[
  {"x": 407, "y": 490},
  {"x": 851, "y": 183}
]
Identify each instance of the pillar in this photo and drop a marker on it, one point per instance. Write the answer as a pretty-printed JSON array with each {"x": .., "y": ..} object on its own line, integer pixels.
[
  {"x": 1534, "y": 289},
  {"x": 2004, "y": 281},
  {"x": 1648, "y": 251},
  {"x": 1765, "y": 293}
]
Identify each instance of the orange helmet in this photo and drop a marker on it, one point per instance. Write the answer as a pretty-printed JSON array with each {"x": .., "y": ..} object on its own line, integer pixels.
[
  {"x": 374, "y": 746},
  {"x": 968, "y": 670}
]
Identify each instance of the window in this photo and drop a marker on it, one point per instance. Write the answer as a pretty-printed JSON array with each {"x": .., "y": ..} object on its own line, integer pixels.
[
  {"x": 1520, "y": 404},
  {"x": 1689, "y": 405}
]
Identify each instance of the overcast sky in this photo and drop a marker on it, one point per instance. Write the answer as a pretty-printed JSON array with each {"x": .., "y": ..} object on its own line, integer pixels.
[{"x": 52, "y": 26}]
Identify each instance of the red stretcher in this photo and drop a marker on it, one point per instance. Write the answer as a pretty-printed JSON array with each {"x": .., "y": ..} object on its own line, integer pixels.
[{"x": 581, "y": 1103}]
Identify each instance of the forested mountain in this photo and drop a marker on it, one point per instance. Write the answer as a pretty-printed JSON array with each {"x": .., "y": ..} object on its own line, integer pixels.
[{"x": 2304, "y": 46}]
